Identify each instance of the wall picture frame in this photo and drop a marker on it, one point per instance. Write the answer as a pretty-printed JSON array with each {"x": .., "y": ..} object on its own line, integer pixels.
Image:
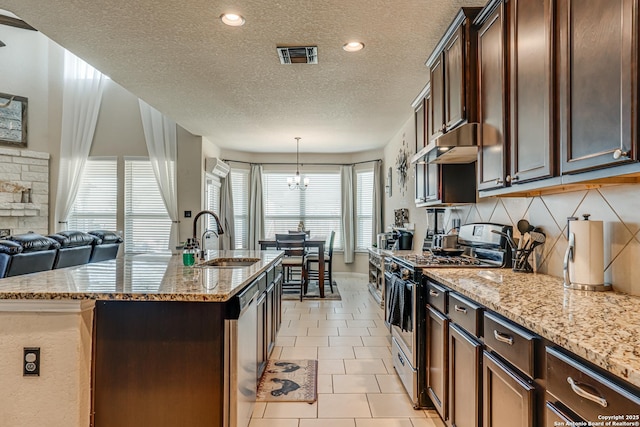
[{"x": 13, "y": 120}]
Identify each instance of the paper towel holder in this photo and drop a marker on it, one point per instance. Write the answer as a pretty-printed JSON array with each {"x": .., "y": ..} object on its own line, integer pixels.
[{"x": 569, "y": 256}]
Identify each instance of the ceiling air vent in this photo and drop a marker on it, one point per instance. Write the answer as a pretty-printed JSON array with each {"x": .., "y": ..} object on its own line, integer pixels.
[{"x": 298, "y": 55}]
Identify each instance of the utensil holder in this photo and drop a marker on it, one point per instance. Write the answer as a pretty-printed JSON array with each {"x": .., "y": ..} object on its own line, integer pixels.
[{"x": 520, "y": 260}]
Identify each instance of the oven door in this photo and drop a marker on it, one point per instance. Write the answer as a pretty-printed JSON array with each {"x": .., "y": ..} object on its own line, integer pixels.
[{"x": 405, "y": 337}]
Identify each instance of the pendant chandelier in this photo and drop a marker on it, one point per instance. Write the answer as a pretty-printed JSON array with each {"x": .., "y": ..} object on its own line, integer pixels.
[{"x": 296, "y": 183}]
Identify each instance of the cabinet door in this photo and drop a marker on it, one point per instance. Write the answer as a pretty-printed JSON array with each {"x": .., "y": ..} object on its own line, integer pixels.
[
  {"x": 421, "y": 135},
  {"x": 261, "y": 330},
  {"x": 597, "y": 66},
  {"x": 432, "y": 178},
  {"x": 270, "y": 332},
  {"x": 491, "y": 82},
  {"x": 436, "y": 119},
  {"x": 531, "y": 89},
  {"x": 465, "y": 359},
  {"x": 454, "y": 81},
  {"x": 507, "y": 399},
  {"x": 278, "y": 301},
  {"x": 437, "y": 365}
]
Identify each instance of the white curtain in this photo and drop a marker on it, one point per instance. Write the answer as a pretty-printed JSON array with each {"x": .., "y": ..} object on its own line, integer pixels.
[
  {"x": 376, "y": 215},
  {"x": 256, "y": 208},
  {"x": 162, "y": 144},
  {"x": 82, "y": 94},
  {"x": 348, "y": 213},
  {"x": 227, "y": 240}
]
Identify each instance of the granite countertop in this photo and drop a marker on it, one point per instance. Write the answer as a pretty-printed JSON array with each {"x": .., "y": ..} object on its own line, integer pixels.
[
  {"x": 140, "y": 278},
  {"x": 602, "y": 327}
]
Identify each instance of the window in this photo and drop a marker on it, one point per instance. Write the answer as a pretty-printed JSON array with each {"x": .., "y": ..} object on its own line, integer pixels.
[
  {"x": 147, "y": 224},
  {"x": 96, "y": 204},
  {"x": 240, "y": 190},
  {"x": 213, "y": 204},
  {"x": 319, "y": 206},
  {"x": 364, "y": 209}
]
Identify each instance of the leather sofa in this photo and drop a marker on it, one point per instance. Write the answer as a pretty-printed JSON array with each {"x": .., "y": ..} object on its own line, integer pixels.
[
  {"x": 32, "y": 252},
  {"x": 76, "y": 248},
  {"x": 107, "y": 245},
  {"x": 38, "y": 254}
]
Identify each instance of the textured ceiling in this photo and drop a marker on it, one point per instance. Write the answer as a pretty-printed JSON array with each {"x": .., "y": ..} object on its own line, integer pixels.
[{"x": 227, "y": 84}]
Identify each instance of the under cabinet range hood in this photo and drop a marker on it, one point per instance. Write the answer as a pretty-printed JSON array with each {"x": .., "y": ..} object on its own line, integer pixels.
[{"x": 459, "y": 145}]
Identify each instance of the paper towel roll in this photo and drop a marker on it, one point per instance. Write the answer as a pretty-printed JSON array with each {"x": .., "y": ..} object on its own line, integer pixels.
[{"x": 587, "y": 266}]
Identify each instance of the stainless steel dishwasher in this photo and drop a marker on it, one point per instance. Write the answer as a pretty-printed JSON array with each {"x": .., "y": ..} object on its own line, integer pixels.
[{"x": 240, "y": 358}]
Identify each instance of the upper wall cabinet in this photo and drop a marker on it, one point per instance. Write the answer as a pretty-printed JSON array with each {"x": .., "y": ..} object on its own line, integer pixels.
[
  {"x": 597, "y": 63},
  {"x": 453, "y": 75},
  {"x": 492, "y": 109},
  {"x": 530, "y": 90}
]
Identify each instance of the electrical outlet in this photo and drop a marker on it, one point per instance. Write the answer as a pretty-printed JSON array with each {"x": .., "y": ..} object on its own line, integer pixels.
[
  {"x": 187, "y": 214},
  {"x": 31, "y": 362}
]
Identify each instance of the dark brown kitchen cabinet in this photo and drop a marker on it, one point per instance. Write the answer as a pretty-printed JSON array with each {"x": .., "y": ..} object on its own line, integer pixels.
[
  {"x": 492, "y": 108},
  {"x": 465, "y": 359},
  {"x": 436, "y": 113},
  {"x": 597, "y": 61},
  {"x": 437, "y": 360},
  {"x": 508, "y": 399},
  {"x": 452, "y": 68},
  {"x": 530, "y": 90}
]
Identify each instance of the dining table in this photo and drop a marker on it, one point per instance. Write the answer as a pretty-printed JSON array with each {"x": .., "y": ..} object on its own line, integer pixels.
[{"x": 318, "y": 241}]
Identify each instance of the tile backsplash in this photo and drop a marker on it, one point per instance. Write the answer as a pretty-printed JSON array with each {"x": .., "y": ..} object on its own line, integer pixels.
[{"x": 618, "y": 206}]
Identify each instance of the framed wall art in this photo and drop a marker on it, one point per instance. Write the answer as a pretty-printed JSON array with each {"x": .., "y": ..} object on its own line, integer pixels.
[{"x": 13, "y": 120}]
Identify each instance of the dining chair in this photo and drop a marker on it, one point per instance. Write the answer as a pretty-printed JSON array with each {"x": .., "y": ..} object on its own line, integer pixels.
[
  {"x": 328, "y": 258},
  {"x": 294, "y": 262}
]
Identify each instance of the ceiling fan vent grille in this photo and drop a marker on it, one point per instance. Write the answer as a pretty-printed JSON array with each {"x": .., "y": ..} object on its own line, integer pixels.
[{"x": 298, "y": 55}]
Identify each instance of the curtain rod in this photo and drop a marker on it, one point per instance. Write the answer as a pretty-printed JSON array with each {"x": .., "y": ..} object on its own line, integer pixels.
[{"x": 301, "y": 163}]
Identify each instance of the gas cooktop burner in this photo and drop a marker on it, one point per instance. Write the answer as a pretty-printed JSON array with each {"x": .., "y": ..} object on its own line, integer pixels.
[{"x": 428, "y": 259}]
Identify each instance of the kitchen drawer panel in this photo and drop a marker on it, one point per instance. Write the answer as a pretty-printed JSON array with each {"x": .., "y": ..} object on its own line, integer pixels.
[
  {"x": 465, "y": 313},
  {"x": 585, "y": 391},
  {"x": 556, "y": 416},
  {"x": 513, "y": 343},
  {"x": 437, "y": 296}
]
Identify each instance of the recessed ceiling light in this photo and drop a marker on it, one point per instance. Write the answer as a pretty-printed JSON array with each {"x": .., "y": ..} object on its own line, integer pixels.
[
  {"x": 353, "y": 46},
  {"x": 232, "y": 19}
]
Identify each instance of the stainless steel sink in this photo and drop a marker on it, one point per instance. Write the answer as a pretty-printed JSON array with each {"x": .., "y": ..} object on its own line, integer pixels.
[{"x": 229, "y": 262}]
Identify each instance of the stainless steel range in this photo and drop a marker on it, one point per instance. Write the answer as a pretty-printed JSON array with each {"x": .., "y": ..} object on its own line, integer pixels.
[{"x": 405, "y": 296}]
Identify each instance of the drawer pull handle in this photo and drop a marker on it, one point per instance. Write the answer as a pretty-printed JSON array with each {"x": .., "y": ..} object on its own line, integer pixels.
[
  {"x": 503, "y": 337},
  {"x": 460, "y": 309},
  {"x": 583, "y": 393},
  {"x": 433, "y": 293}
]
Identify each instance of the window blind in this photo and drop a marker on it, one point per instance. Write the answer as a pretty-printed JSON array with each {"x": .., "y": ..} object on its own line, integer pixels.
[
  {"x": 213, "y": 204},
  {"x": 319, "y": 206},
  {"x": 147, "y": 224},
  {"x": 240, "y": 190},
  {"x": 96, "y": 204},
  {"x": 364, "y": 209}
]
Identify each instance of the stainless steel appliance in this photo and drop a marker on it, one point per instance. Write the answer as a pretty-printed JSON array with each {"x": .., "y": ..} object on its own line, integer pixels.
[
  {"x": 241, "y": 355},
  {"x": 406, "y": 297}
]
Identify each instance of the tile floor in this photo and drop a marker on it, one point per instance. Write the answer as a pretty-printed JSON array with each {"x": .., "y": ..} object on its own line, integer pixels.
[{"x": 357, "y": 385}]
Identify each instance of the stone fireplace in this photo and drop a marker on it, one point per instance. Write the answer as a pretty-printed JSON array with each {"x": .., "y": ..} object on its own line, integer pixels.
[{"x": 24, "y": 191}]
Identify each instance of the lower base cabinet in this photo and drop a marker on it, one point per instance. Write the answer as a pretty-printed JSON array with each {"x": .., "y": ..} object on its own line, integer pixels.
[
  {"x": 437, "y": 379},
  {"x": 508, "y": 399},
  {"x": 465, "y": 357}
]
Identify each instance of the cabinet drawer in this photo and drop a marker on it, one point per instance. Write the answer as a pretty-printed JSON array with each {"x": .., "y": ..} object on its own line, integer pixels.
[
  {"x": 556, "y": 416},
  {"x": 513, "y": 343},
  {"x": 585, "y": 391},
  {"x": 465, "y": 313},
  {"x": 437, "y": 296},
  {"x": 271, "y": 274}
]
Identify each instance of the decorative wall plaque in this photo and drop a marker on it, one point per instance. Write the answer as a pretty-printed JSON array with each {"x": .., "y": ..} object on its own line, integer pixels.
[{"x": 13, "y": 120}]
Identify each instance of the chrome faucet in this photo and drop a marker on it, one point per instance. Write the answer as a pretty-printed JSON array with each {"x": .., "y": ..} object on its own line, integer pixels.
[{"x": 217, "y": 232}]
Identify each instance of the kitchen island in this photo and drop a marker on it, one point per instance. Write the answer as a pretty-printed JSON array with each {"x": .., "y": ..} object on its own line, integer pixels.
[{"x": 147, "y": 335}]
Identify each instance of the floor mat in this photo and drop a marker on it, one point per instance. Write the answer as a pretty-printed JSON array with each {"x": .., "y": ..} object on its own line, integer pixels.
[{"x": 289, "y": 381}]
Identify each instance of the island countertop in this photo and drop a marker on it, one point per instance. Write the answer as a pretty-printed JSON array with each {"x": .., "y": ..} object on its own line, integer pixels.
[
  {"x": 140, "y": 278},
  {"x": 601, "y": 327}
]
